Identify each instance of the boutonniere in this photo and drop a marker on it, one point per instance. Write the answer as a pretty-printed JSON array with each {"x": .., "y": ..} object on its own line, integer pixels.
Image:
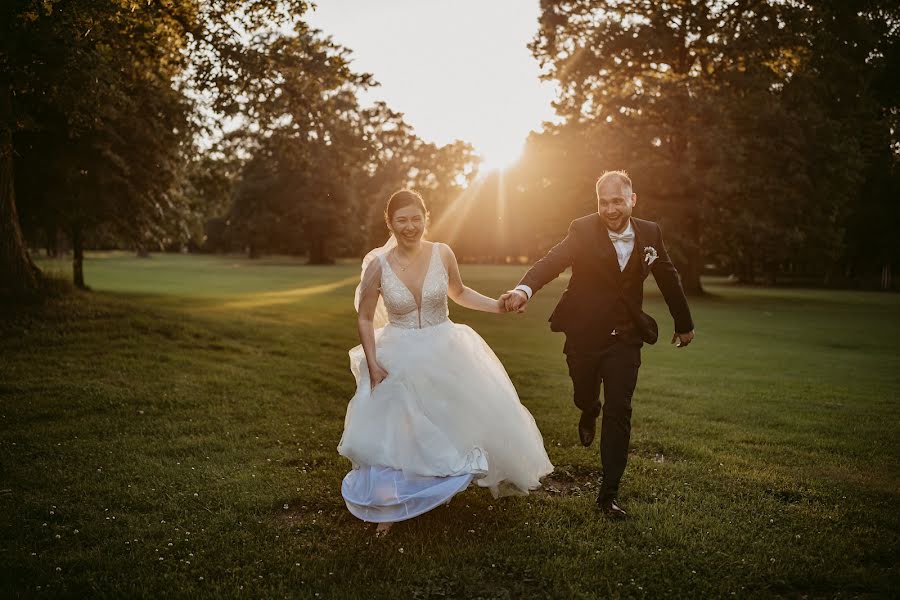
[{"x": 650, "y": 254}]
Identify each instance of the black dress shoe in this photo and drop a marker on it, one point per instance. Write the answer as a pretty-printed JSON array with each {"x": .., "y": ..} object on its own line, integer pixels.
[
  {"x": 587, "y": 428},
  {"x": 610, "y": 507}
]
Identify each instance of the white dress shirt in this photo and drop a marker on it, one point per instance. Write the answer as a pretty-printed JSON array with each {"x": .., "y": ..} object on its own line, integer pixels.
[{"x": 623, "y": 244}]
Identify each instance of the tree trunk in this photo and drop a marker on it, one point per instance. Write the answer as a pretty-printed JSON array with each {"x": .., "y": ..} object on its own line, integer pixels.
[
  {"x": 52, "y": 233},
  {"x": 77, "y": 258},
  {"x": 318, "y": 254},
  {"x": 693, "y": 266},
  {"x": 771, "y": 274},
  {"x": 18, "y": 274}
]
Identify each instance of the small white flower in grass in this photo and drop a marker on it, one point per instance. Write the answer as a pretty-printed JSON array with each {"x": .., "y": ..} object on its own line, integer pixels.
[
  {"x": 58, "y": 569},
  {"x": 58, "y": 536},
  {"x": 401, "y": 550}
]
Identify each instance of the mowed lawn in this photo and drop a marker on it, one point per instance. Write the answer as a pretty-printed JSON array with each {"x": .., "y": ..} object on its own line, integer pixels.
[{"x": 173, "y": 432}]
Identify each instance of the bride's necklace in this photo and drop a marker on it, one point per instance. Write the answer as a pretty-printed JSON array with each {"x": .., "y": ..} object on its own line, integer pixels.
[{"x": 411, "y": 261}]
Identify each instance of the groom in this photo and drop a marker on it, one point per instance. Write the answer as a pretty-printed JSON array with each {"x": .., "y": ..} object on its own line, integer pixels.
[{"x": 611, "y": 254}]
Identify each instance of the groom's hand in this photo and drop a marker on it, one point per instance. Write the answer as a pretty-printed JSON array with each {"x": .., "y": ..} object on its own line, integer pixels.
[
  {"x": 516, "y": 300},
  {"x": 683, "y": 339}
]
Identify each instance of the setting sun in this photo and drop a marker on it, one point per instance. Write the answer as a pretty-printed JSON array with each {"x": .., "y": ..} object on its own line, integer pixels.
[
  {"x": 500, "y": 152},
  {"x": 485, "y": 91}
]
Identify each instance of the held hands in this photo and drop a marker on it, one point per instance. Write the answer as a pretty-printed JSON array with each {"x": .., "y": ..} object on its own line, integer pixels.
[
  {"x": 683, "y": 339},
  {"x": 377, "y": 373},
  {"x": 513, "y": 301}
]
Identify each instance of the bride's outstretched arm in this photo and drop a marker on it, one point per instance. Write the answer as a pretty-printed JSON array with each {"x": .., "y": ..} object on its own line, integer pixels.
[
  {"x": 370, "y": 289},
  {"x": 459, "y": 293}
]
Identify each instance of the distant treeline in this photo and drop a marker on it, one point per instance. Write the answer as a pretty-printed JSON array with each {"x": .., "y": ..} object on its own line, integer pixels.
[{"x": 763, "y": 136}]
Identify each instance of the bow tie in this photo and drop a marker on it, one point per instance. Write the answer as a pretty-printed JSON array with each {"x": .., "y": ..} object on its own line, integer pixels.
[{"x": 621, "y": 237}]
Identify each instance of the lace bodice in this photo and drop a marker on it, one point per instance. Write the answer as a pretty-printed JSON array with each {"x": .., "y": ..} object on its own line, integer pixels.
[{"x": 400, "y": 303}]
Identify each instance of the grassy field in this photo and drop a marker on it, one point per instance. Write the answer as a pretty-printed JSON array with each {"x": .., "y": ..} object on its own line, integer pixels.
[{"x": 173, "y": 433}]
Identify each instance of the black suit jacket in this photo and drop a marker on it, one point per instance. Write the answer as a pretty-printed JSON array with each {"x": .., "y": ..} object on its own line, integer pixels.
[{"x": 597, "y": 283}]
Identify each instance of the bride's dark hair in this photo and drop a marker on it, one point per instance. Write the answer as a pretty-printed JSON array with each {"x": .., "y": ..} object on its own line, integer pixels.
[{"x": 401, "y": 199}]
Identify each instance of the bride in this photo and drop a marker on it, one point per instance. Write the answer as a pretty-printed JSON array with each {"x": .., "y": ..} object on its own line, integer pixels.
[{"x": 434, "y": 408}]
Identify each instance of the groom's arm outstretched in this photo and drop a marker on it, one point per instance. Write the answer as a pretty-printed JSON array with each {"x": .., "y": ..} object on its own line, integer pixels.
[{"x": 557, "y": 260}]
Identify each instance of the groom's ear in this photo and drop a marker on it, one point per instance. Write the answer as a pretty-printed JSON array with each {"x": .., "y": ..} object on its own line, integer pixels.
[{"x": 633, "y": 199}]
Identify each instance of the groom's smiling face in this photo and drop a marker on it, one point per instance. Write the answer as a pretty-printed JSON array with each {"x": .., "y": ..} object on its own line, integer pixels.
[{"x": 615, "y": 201}]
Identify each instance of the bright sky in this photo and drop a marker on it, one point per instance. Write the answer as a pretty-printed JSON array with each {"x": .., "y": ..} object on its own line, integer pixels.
[{"x": 457, "y": 69}]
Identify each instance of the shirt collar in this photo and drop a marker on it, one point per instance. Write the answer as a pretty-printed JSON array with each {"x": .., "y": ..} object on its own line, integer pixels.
[{"x": 628, "y": 229}]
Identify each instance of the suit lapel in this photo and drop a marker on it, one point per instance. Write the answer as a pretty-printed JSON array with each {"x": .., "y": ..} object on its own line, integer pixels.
[{"x": 638, "y": 252}]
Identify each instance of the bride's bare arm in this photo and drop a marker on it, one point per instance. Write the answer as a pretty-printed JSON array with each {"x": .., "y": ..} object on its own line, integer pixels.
[
  {"x": 368, "y": 299},
  {"x": 459, "y": 293}
]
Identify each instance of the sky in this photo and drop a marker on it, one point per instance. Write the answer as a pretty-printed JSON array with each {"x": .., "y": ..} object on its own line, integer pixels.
[{"x": 457, "y": 69}]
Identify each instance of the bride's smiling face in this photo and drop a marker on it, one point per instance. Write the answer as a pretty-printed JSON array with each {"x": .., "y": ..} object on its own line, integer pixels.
[{"x": 408, "y": 224}]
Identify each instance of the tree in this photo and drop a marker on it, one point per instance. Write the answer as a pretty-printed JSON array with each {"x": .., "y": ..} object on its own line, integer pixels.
[
  {"x": 642, "y": 83},
  {"x": 104, "y": 87}
]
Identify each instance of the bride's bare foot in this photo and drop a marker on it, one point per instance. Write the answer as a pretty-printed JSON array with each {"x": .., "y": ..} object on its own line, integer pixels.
[{"x": 382, "y": 529}]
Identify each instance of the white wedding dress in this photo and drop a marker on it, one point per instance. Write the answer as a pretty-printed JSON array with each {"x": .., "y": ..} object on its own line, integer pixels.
[{"x": 446, "y": 414}]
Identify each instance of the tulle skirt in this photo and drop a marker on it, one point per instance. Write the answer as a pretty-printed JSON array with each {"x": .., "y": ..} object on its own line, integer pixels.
[{"x": 447, "y": 414}]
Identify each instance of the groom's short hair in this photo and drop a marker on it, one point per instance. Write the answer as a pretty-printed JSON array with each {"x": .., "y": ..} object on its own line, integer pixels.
[{"x": 620, "y": 176}]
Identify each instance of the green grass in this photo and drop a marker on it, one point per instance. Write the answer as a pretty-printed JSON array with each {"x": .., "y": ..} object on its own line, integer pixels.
[{"x": 173, "y": 433}]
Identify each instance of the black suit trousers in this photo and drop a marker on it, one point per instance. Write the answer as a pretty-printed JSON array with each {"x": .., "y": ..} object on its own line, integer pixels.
[{"x": 612, "y": 367}]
